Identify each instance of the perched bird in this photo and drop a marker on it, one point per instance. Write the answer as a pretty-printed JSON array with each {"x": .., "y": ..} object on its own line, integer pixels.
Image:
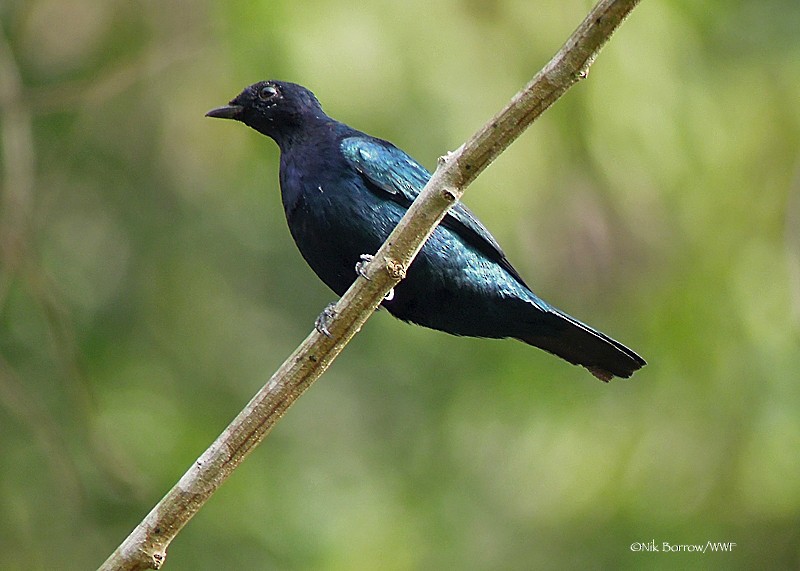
[{"x": 344, "y": 191}]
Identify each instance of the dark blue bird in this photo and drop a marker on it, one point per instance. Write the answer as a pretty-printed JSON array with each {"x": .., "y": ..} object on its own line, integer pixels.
[{"x": 344, "y": 191}]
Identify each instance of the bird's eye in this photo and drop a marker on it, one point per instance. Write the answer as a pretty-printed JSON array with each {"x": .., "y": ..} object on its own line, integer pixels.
[{"x": 267, "y": 92}]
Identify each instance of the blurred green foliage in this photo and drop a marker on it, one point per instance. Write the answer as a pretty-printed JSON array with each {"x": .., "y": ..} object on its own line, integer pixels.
[{"x": 148, "y": 286}]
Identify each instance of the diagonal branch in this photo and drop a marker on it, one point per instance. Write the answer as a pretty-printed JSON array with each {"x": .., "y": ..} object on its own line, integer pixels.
[{"x": 145, "y": 547}]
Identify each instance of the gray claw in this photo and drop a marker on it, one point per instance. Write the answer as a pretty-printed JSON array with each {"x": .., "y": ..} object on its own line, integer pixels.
[
  {"x": 361, "y": 270},
  {"x": 362, "y": 265},
  {"x": 324, "y": 319}
]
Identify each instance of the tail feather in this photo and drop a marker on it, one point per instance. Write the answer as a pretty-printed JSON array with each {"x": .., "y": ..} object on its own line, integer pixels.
[{"x": 576, "y": 342}]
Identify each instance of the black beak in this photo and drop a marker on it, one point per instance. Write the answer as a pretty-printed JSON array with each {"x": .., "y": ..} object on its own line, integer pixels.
[{"x": 226, "y": 112}]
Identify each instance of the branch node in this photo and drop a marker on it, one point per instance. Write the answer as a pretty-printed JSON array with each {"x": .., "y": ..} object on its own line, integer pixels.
[
  {"x": 396, "y": 269},
  {"x": 444, "y": 159},
  {"x": 449, "y": 194}
]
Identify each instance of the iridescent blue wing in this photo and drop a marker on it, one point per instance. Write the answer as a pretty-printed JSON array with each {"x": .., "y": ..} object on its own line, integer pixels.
[{"x": 392, "y": 173}]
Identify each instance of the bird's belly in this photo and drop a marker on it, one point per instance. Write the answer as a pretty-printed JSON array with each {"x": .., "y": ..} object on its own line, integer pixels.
[
  {"x": 449, "y": 286},
  {"x": 453, "y": 288},
  {"x": 332, "y": 233}
]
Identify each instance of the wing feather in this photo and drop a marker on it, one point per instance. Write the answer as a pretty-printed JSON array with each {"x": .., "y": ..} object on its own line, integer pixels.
[{"x": 394, "y": 174}]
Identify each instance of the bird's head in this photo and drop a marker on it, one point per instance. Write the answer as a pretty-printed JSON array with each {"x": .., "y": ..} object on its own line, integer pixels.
[{"x": 277, "y": 109}]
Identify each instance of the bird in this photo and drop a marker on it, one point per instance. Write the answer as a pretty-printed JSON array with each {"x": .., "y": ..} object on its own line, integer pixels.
[{"x": 343, "y": 191}]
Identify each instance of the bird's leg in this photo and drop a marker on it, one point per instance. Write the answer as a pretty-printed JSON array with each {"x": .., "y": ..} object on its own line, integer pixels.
[
  {"x": 361, "y": 265},
  {"x": 324, "y": 319}
]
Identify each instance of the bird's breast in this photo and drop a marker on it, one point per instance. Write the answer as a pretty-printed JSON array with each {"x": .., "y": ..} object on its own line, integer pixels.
[{"x": 334, "y": 220}]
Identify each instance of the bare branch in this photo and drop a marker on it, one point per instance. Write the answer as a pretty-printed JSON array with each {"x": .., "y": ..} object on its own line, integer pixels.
[{"x": 146, "y": 546}]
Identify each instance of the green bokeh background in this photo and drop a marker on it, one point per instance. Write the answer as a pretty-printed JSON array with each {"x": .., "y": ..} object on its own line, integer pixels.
[{"x": 148, "y": 287}]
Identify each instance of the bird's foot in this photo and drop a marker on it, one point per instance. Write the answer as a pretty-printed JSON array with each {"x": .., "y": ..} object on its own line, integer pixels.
[
  {"x": 324, "y": 320},
  {"x": 361, "y": 266}
]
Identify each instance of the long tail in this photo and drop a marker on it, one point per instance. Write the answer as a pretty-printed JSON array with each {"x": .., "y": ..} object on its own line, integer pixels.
[{"x": 576, "y": 342}]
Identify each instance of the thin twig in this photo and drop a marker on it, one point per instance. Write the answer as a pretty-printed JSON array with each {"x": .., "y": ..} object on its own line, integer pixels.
[{"x": 146, "y": 546}]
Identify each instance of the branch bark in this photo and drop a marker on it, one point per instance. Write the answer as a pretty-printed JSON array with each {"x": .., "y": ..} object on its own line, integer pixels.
[{"x": 145, "y": 547}]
